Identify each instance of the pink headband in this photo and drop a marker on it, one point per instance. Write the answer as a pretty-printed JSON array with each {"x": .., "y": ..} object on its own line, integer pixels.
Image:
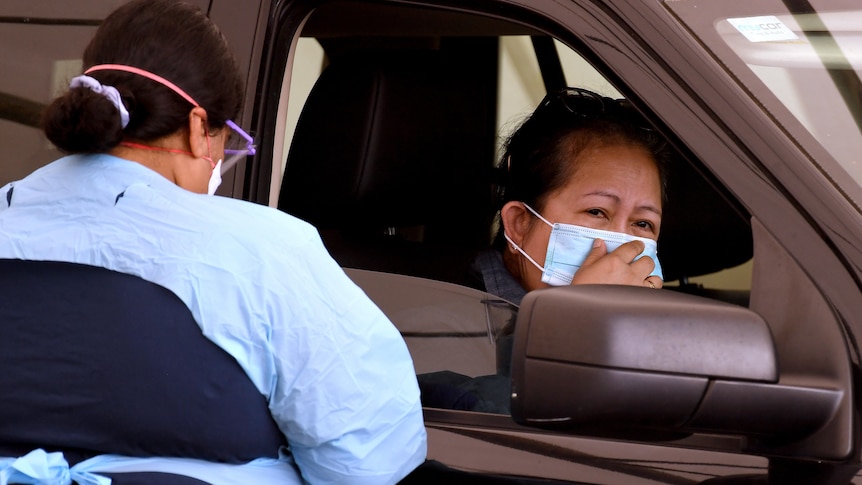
[{"x": 146, "y": 74}]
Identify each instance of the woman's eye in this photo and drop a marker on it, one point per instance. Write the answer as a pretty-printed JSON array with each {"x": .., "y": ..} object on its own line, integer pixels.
[
  {"x": 596, "y": 212},
  {"x": 644, "y": 225}
]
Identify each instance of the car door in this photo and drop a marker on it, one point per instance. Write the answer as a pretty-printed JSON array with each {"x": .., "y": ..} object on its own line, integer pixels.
[{"x": 800, "y": 227}]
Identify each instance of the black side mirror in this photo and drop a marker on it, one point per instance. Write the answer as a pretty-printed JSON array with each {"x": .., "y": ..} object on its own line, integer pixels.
[{"x": 645, "y": 364}]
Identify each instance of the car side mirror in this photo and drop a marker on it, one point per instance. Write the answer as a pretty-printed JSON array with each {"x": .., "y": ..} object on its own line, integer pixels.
[{"x": 634, "y": 362}]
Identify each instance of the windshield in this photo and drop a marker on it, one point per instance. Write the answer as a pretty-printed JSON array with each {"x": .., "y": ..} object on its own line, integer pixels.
[{"x": 802, "y": 62}]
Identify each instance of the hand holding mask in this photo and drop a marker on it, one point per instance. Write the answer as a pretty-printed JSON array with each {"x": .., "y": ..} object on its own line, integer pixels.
[{"x": 569, "y": 245}]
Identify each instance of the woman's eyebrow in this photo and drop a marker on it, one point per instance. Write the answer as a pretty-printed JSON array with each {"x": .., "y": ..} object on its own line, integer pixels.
[
  {"x": 603, "y": 193},
  {"x": 650, "y": 208}
]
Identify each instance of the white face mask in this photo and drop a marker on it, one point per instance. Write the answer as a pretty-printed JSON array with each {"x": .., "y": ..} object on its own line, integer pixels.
[
  {"x": 569, "y": 245},
  {"x": 215, "y": 179}
]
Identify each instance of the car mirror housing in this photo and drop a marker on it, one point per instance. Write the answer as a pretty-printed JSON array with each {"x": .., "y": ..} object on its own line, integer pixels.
[{"x": 638, "y": 363}]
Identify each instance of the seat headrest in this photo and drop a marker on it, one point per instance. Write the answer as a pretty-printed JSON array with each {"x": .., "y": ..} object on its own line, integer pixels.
[{"x": 394, "y": 139}]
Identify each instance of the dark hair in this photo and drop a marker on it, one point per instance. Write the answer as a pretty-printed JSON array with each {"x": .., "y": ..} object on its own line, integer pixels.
[
  {"x": 171, "y": 39},
  {"x": 537, "y": 157}
]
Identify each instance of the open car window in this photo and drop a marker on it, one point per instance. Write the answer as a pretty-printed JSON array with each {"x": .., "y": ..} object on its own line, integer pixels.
[
  {"x": 364, "y": 109},
  {"x": 518, "y": 82}
]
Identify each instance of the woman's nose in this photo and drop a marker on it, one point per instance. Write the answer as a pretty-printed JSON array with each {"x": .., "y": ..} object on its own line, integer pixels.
[{"x": 623, "y": 226}]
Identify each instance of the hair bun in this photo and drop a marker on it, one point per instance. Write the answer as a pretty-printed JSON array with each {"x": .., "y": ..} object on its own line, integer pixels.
[{"x": 82, "y": 121}]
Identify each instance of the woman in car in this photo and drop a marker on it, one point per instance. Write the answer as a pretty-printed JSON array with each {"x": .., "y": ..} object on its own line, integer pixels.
[
  {"x": 147, "y": 126},
  {"x": 581, "y": 191}
]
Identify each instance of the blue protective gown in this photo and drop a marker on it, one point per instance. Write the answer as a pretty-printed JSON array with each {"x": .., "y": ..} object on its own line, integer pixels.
[{"x": 338, "y": 377}]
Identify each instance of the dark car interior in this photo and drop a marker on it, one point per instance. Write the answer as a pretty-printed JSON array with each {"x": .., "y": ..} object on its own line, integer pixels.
[{"x": 392, "y": 158}]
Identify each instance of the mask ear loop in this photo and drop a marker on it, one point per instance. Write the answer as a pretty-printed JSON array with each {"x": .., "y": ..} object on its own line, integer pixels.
[
  {"x": 537, "y": 214},
  {"x": 523, "y": 253},
  {"x": 139, "y": 146},
  {"x": 518, "y": 248}
]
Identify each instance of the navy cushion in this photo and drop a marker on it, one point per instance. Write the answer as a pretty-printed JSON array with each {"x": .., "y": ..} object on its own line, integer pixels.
[
  {"x": 151, "y": 478},
  {"x": 96, "y": 361}
]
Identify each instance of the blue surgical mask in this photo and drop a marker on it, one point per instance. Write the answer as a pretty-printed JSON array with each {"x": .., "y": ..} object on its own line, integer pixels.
[{"x": 569, "y": 246}]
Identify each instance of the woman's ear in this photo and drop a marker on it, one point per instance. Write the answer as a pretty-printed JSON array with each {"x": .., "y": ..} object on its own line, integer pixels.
[
  {"x": 516, "y": 222},
  {"x": 198, "y": 133}
]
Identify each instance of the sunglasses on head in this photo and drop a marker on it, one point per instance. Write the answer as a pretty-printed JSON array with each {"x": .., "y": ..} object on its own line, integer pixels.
[{"x": 588, "y": 105}]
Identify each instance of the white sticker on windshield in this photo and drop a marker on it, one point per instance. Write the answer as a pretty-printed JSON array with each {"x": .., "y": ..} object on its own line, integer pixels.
[{"x": 762, "y": 29}]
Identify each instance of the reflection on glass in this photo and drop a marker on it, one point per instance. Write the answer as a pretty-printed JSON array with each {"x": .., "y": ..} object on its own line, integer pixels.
[{"x": 801, "y": 65}]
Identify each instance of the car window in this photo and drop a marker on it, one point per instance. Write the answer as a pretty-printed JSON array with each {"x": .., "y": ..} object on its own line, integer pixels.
[
  {"x": 40, "y": 48},
  {"x": 451, "y": 327},
  {"x": 36, "y": 67}
]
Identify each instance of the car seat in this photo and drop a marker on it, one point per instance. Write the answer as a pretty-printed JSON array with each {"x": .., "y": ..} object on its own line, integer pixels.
[
  {"x": 392, "y": 157},
  {"x": 96, "y": 362}
]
